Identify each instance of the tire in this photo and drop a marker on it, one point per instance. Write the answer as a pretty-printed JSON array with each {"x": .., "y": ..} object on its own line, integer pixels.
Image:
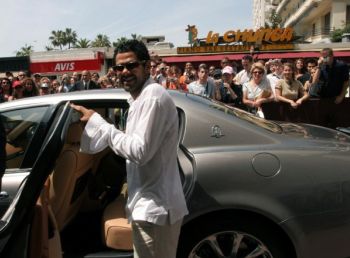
[{"x": 236, "y": 237}]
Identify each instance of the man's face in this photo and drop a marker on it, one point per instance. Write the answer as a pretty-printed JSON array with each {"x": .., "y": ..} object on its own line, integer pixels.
[
  {"x": 203, "y": 74},
  {"x": 133, "y": 73},
  {"x": 310, "y": 66},
  {"x": 327, "y": 58},
  {"x": 85, "y": 76},
  {"x": 245, "y": 64}
]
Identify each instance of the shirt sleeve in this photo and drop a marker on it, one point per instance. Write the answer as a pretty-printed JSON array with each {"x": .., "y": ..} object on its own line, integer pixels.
[{"x": 139, "y": 146}]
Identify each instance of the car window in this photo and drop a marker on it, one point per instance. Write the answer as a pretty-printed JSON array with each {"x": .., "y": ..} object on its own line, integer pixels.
[{"x": 20, "y": 126}]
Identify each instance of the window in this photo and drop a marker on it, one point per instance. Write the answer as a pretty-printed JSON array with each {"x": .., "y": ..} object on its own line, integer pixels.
[
  {"x": 347, "y": 14},
  {"x": 327, "y": 23},
  {"x": 20, "y": 127}
]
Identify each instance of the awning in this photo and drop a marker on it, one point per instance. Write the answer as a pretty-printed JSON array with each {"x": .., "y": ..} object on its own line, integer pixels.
[{"x": 238, "y": 56}]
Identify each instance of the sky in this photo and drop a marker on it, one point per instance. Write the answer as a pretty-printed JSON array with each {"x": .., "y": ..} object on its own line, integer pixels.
[{"x": 30, "y": 22}]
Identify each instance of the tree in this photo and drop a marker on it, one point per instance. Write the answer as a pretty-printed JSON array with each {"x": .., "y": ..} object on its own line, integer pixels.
[
  {"x": 70, "y": 37},
  {"x": 275, "y": 20},
  {"x": 49, "y": 48},
  {"x": 123, "y": 39},
  {"x": 119, "y": 41},
  {"x": 101, "y": 41},
  {"x": 25, "y": 51},
  {"x": 57, "y": 38},
  {"x": 82, "y": 43}
]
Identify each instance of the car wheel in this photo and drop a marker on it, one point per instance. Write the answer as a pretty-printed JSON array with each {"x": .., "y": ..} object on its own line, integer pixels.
[{"x": 238, "y": 238}]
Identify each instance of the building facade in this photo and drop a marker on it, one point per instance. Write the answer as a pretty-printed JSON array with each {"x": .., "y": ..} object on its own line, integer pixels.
[{"x": 314, "y": 20}]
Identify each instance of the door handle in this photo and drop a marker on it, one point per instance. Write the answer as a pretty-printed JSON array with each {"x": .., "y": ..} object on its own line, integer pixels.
[{"x": 4, "y": 195}]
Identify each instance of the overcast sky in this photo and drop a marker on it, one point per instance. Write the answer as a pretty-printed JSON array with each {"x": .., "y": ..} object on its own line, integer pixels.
[{"x": 31, "y": 21}]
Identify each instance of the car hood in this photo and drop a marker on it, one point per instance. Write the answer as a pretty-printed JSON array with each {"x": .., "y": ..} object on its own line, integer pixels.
[{"x": 314, "y": 132}]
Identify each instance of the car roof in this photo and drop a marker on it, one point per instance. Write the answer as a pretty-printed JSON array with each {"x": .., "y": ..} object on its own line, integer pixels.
[{"x": 99, "y": 94}]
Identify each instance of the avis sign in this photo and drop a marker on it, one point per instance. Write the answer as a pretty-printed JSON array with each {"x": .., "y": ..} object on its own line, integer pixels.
[{"x": 66, "y": 66}]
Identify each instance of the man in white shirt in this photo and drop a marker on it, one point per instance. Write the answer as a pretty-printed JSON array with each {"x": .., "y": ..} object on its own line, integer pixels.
[
  {"x": 156, "y": 204},
  {"x": 244, "y": 75}
]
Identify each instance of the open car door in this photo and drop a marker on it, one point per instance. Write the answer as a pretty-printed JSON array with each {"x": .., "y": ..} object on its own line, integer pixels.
[{"x": 15, "y": 225}]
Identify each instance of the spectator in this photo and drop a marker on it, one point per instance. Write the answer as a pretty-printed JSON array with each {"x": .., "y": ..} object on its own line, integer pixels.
[
  {"x": 289, "y": 89},
  {"x": 153, "y": 70},
  {"x": 244, "y": 75},
  {"x": 44, "y": 89},
  {"x": 257, "y": 90},
  {"x": 105, "y": 82},
  {"x": 76, "y": 76},
  {"x": 233, "y": 92},
  {"x": 37, "y": 78},
  {"x": 333, "y": 76},
  {"x": 310, "y": 64},
  {"x": 202, "y": 86},
  {"x": 65, "y": 85},
  {"x": 188, "y": 75},
  {"x": 299, "y": 68},
  {"x": 30, "y": 89},
  {"x": 225, "y": 62},
  {"x": 311, "y": 85},
  {"x": 211, "y": 71},
  {"x": 161, "y": 78},
  {"x": 94, "y": 77},
  {"x": 48, "y": 89},
  {"x": 173, "y": 79},
  {"x": 6, "y": 88},
  {"x": 21, "y": 75},
  {"x": 56, "y": 86},
  {"x": 86, "y": 83},
  {"x": 276, "y": 74},
  {"x": 18, "y": 91}
]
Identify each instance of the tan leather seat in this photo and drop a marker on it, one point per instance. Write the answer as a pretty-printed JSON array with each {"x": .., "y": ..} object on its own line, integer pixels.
[
  {"x": 116, "y": 231},
  {"x": 69, "y": 178}
]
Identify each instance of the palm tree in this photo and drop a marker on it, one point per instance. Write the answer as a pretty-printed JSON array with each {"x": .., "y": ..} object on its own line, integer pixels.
[
  {"x": 48, "y": 48},
  {"x": 25, "y": 51},
  {"x": 101, "y": 41},
  {"x": 82, "y": 43},
  {"x": 57, "y": 38},
  {"x": 135, "y": 36},
  {"x": 70, "y": 37},
  {"x": 119, "y": 41}
]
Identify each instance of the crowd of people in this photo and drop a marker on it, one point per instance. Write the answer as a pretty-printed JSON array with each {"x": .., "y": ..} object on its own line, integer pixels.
[{"x": 246, "y": 85}]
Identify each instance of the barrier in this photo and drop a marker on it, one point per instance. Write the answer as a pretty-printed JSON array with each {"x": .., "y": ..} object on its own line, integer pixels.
[{"x": 323, "y": 112}]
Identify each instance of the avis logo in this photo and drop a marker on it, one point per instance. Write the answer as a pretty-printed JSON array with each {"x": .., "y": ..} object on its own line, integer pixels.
[{"x": 64, "y": 67}]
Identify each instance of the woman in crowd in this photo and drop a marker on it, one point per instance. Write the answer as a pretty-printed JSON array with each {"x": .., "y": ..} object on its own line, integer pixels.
[
  {"x": 105, "y": 82},
  {"x": 289, "y": 89},
  {"x": 56, "y": 86},
  {"x": 257, "y": 90},
  {"x": 30, "y": 89},
  {"x": 300, "y": 69},
  {"x": 6, "y": 89},
  {"x": 18, "y": 91},
  {"x": 173, "y": 79}
]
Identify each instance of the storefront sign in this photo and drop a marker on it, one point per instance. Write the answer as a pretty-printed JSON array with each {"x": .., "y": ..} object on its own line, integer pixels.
[
  {"x": 263, "y": 39},
  {"x": 65, "y": 66}
]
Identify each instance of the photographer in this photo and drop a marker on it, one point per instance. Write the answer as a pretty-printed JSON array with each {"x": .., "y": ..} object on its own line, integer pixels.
[
  {"x": 333, "y": 77},
  {"x": 173, "y": 79},
  {"x": 232, "y": 93}
]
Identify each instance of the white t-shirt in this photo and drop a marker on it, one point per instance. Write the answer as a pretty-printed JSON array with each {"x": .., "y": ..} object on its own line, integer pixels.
[
  {"x": 206, "y": 89},
  {"x": 242, "y": 77},
  {"x": 149, "y": 145}
]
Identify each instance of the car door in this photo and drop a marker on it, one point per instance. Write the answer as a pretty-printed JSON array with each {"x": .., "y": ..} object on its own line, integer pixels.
[{"x": 15, "y": 223}]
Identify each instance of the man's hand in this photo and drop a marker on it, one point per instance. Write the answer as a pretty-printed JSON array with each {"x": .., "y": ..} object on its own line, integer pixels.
[
  {"x": 339, "y": 99},
  {"x": 86, "y": 113}
]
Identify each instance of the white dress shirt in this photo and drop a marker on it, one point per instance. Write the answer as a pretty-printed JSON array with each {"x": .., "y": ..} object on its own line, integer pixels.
[{"x": 149, "y": 146}]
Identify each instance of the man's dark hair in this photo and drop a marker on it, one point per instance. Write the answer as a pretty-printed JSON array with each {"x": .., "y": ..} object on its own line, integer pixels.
[
  {"x": 248, "y": 58},
  {"x": 133, "y": 45},
  {"x": 311, "y": 61}
]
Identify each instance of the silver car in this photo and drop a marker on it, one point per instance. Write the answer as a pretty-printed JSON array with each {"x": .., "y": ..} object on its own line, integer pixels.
[{"x": 254, "y": 188}]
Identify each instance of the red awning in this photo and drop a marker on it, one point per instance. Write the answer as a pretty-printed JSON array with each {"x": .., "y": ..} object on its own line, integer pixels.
[{"x": 271, "y": 55}]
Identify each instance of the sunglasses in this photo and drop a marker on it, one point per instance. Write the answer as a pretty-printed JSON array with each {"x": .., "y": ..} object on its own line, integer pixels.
[
  {"x": 258, "y": 72},
  {"x": 128, "y": 66}
]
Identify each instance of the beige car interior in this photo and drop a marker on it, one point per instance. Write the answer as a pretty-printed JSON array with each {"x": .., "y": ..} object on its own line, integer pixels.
[{"x": 77, "y": 184}]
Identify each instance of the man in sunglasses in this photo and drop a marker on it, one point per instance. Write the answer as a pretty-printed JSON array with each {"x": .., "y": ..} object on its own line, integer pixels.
[{"x": 156, "y": 203}]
